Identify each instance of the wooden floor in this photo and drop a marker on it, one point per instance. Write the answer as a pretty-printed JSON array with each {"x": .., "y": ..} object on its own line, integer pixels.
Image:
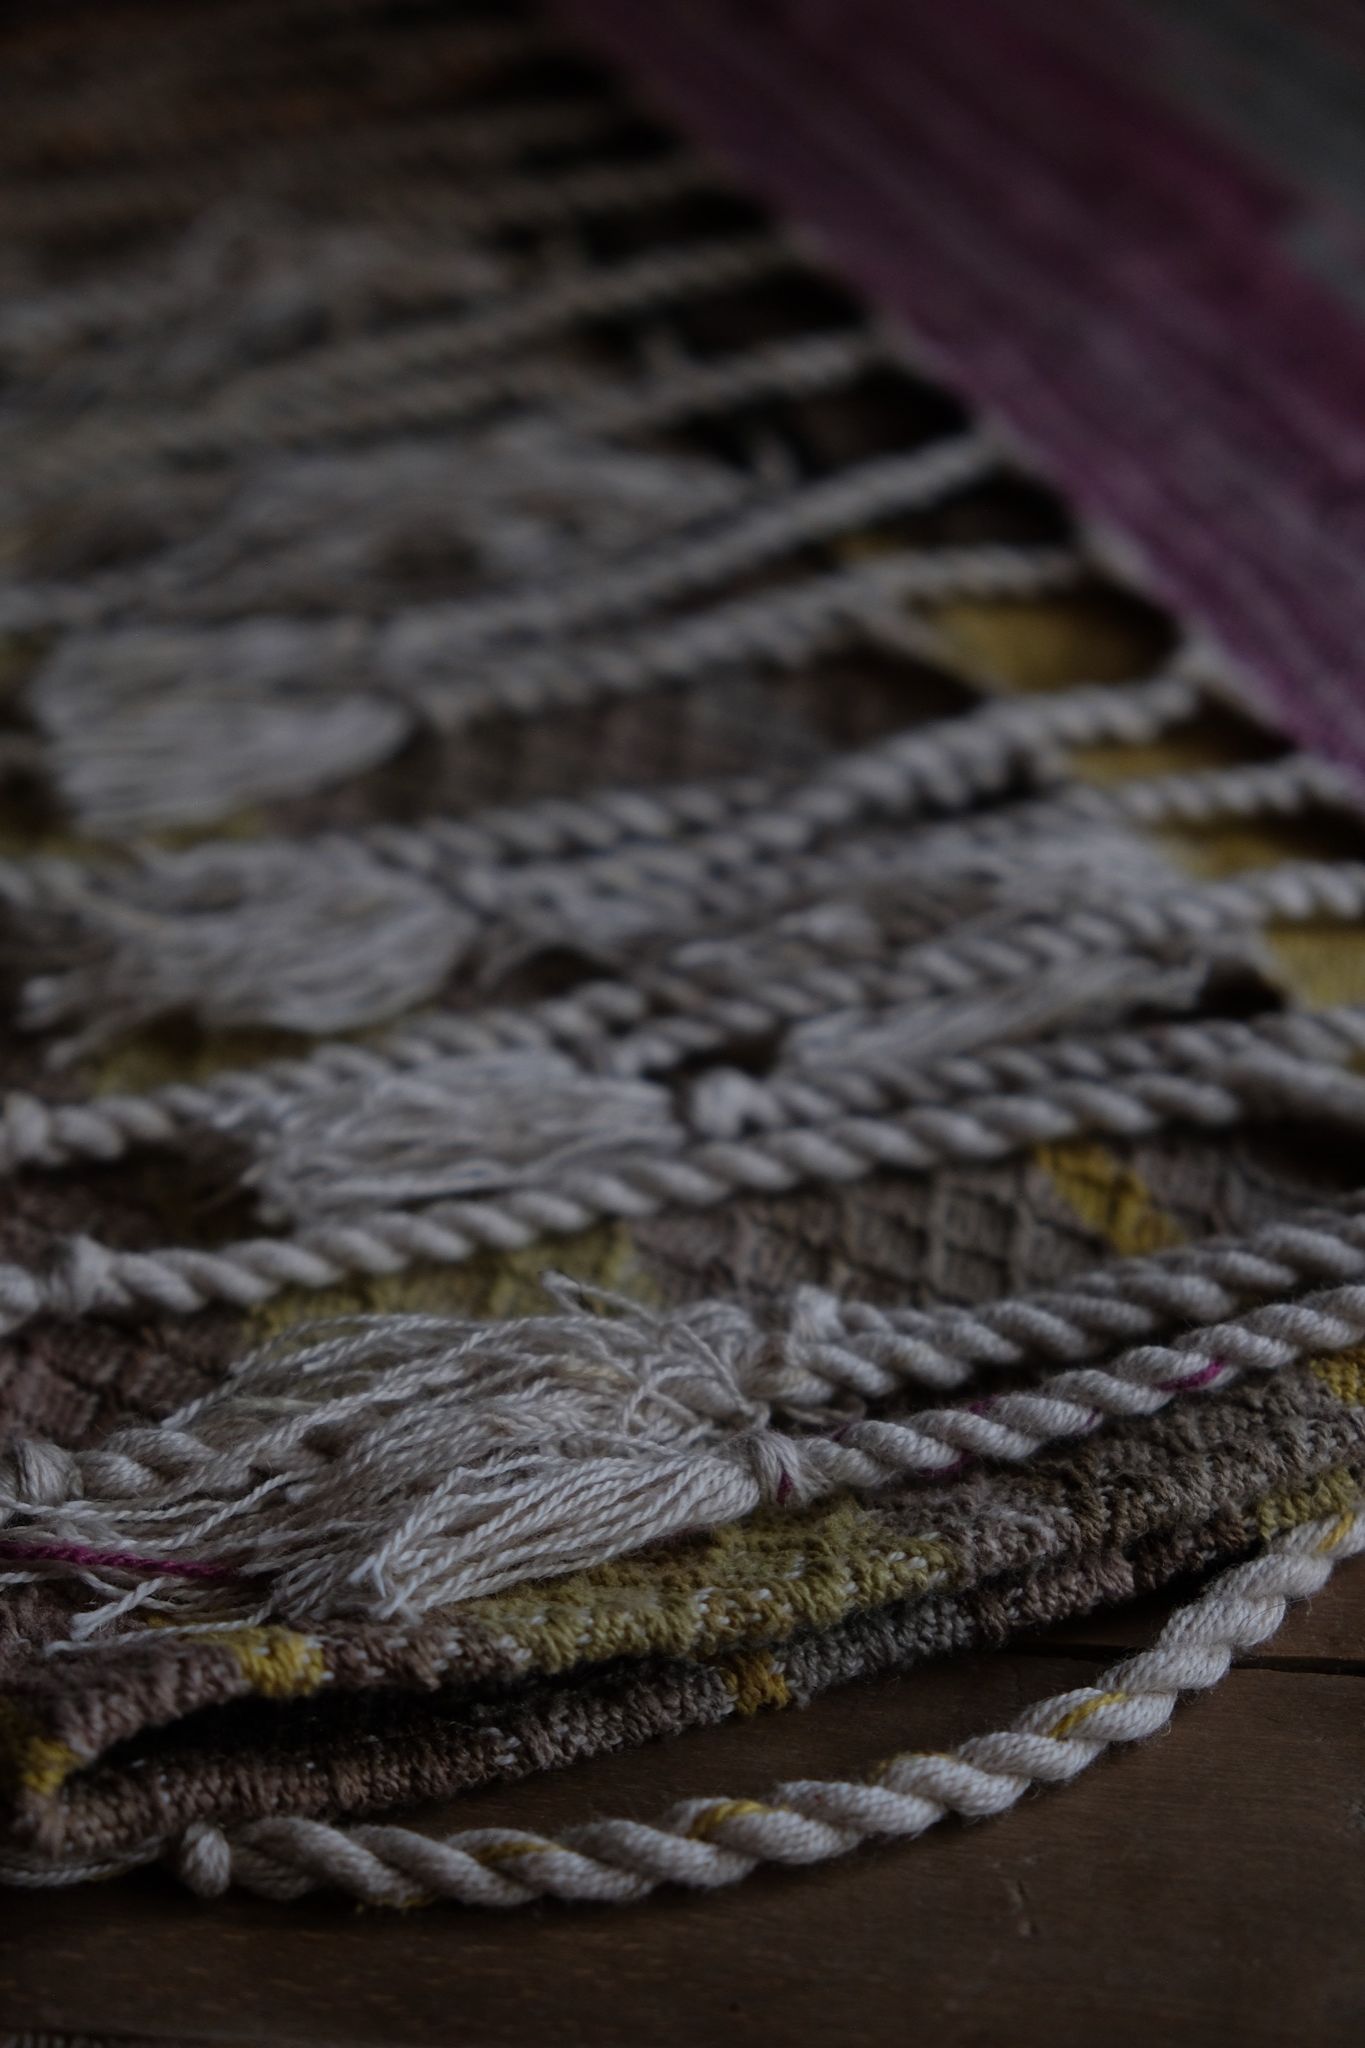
[{"x": 1206, "y": 1888}]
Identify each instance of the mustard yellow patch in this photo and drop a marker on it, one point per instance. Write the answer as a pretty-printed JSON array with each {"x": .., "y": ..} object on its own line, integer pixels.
[
  {"x": 160, "y": 1055},
  {"x": 277, "y": 1663},
  {"x": 1046, "y": 643},
  {"x": 31, "y": 1760},
  {"x": 1343, "y": 1375},
  {"x": 753, "y": 1581},
  {"x": 1070, "y": 1722},
  {"x": 754, "y": 1682},
  {"x": 1213, "y": 742},
  {"x": 1108, "y": 1197},
  {"x": 1321, "y": 964},
  {"x": 1336, "y": 1493}
]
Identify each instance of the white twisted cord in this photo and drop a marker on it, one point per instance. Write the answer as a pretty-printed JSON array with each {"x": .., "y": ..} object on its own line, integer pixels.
[
  {"x": 87, "y": 1277},
  {"x": 584, "y": 292},
  {"x": 1282, "y": 788},
  {"x": 1013, "y": 1426},
  {"x": 867, "y": 1079},
  {"x": 580, "y": 403},
  {"x": 826, "y": 1346},
  {"x": 280, "y": 406},
  {"x": 430, "y": 256},
  {"x": 561, "y": 394},
  {"x": 625, "y": 1028},
  {"x": 778, "y": 628},
  {"x": 719, "y": 874},
  {"x": 684, "y": 840},
  {"x": 707, "y": 1843},
  {"x": 300, "y": 167},
  {"x": 943, "y": 766},
  {"x": 304, "y": 933},
  {"x": 887, "y": 486}
]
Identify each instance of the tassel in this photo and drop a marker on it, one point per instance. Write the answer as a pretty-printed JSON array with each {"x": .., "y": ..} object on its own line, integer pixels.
[
  {"x": 244, "y": 288},
  {"x": 381, "y": 1467},
  {"x": 119, "y": 946},
  {"x": 457, "y": 1127},
  {"x": 158, "y": 725},
  {"x": 469, "y": 1126},
  {"x": 318, "y": 939},
  {"x": 1084, "y": 996},
  {"x": 528, "y": 499},
  {"x": 149, "y": 727}
]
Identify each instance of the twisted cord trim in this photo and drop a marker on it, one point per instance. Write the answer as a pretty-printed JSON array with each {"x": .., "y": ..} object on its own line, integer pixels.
[
  {"x": 90, "y": 1277},
  {"x": 280, "y": 406},
  {"x": 141, "y": 195},
  {"x": 829, "y": 1346},
  {"x": 942, "y": 766},
  {"x": 786, "y": 625},
  {"x": 649, "y": 1026},
  {"x": 882, "y": 487}
]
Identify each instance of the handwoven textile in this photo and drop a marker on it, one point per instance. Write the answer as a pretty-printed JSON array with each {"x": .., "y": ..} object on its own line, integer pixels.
[
  {"x": 1132, "y": 229},
  {"x": 670, "y": 1043}
]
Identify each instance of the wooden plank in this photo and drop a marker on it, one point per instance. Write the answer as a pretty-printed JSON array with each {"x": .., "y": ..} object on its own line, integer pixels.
[
  {"x": 1206, "y": 1888},
  {"x": 1327, "y": 1633}
]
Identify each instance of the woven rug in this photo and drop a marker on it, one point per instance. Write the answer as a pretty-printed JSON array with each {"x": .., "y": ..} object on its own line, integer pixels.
[{"x": 673, "y": 1037}]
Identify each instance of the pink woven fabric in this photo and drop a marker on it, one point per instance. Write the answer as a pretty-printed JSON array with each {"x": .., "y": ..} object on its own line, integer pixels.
[{"x": 1117, "y": 229}]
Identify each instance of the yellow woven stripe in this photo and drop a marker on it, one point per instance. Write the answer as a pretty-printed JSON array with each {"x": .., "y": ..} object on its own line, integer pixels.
[
  {"x": 1343, "y": 1376},
  {"x": 1108, "y": 1197},
  {"x": 1078, "y": 1715},
  {"x": 779, "y": 1571},
  {"x": 754, "y": 1681},
  {"x": 1336, "y": 1493},
  {"x": 31, "y": 1761},
  {"x": 277, "y": 1663}
]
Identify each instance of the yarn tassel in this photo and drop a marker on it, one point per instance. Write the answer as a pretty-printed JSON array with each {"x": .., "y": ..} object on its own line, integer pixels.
[
  {"x": 152, "y": 726},
  {"x": 456, "y": 1127},
  {"x": 156, "y": 725},
  {"x": 529, "y": 498},
  {"x": 382, "y": 1467},
  {"x": 473, "y": 1125},
  {"x": 329, "y": 935},
  {"x": 322, "y": 938}
]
